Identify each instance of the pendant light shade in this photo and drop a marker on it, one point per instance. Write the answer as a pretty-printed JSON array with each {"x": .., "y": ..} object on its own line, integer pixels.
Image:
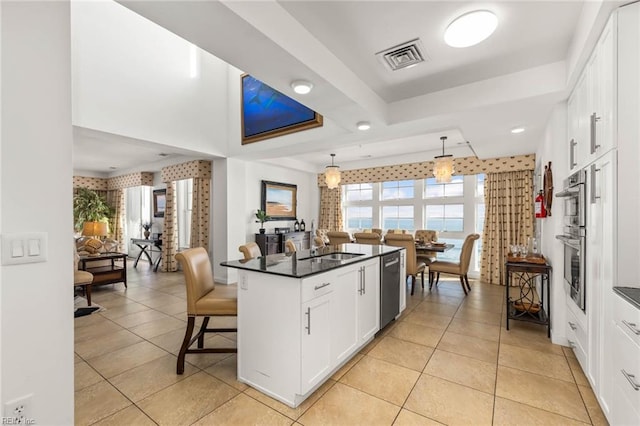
[
  {"x": 332, "y": 175},
  {"x": 443, "y": 167}
]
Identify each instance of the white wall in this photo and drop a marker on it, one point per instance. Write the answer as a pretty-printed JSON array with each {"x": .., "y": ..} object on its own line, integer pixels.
[
  {"x": 237, "y": 195},
  {"x": 37, "y": 299},
  {"x": 554, "y": 148},
  {"x": 133, "y": 78}
]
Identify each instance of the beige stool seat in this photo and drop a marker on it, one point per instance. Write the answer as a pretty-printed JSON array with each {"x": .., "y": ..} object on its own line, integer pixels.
[{"x": 84, "y": 279}]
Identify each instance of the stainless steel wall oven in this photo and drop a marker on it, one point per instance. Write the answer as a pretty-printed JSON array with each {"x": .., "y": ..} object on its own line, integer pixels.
[{"x": 574, "y": 236}]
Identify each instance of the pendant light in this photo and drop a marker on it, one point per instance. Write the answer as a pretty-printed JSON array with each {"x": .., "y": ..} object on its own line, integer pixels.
[
  {"x": 332, "y": 175},
  {"x": 443, "y": 167}
]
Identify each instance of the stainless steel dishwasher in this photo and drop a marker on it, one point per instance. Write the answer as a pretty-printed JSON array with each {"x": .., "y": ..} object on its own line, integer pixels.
[{"x": 389, "y": 288}]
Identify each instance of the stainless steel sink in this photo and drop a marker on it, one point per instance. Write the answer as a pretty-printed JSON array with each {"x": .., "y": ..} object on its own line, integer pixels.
[{"x": 334, "y": 256}]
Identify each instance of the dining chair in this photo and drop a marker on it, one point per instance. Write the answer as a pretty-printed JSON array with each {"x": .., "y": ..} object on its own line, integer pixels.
[
  {"x": 250, "y": 250},
  {"x": 290, "y": 246},
  {"x": 338, "y": 237},
  {"x": 371, "y": 238},
  {"x": 319, "y": 242},
  {"x": 377, "y": 231},
  {"x": 202, "y": 301},
  {"x": 460, "y": 268},
  {"x": 414, "y": 266},
  {"x": 426, "y": 235}
]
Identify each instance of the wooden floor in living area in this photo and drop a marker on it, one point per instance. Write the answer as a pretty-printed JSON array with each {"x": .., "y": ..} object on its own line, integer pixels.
[{"x": 447, "y": 360}]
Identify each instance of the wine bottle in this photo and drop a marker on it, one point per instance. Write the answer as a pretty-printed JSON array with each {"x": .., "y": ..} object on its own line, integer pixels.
[
  {"x": 296, "y": 226},
  {"x": 302, "y": 226}
]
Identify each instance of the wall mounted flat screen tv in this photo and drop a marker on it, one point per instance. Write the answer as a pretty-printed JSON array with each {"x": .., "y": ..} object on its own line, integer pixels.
[{"x": 267, "y": 113}]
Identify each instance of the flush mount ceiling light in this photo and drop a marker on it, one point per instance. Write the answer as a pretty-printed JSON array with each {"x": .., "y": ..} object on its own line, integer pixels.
[
  {"x": 470, "y": 28},
  {"x": 332, "y": 175},
  {"x": 363, "y": 125},
  {"x": 301, "y": 87},
  {"x": 443, "y": 167},
  {"x": 517, "y": 130}
]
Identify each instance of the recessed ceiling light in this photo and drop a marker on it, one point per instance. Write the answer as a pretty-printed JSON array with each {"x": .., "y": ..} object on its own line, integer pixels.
[
  {"x": 470, "y": 28},
  {"x": 112, "y": 167},
  {"x": 517, "y": 130},
  {"x": 363, "y": 125},
  {"x": 163, "y": 154},
  {"x": 301, "y": 87}
]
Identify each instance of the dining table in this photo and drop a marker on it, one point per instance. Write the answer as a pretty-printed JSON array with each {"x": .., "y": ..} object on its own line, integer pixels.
[{"x": 438, "y": 248}]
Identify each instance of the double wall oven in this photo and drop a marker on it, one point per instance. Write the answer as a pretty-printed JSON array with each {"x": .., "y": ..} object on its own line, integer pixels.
[{"x": 573, "y": 237}]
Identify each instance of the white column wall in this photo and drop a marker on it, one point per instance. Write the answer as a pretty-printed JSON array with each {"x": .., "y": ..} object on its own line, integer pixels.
[
  {"x": 554, "y": 148},
  {"x": 36, "y": 340}
]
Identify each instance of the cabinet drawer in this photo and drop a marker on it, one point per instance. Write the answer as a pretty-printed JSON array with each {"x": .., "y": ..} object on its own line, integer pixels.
[
  {"x": 626, "y": 371},
  {"x": 317, "y": 286},
  {"x": 577, "y": 337},
  {"x": 627, "y": 317}
]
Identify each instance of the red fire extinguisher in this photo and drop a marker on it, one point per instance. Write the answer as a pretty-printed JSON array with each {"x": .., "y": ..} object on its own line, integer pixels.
[{"x": 541, "y": 211}]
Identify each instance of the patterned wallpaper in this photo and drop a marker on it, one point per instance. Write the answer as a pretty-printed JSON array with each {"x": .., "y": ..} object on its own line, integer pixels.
[
  {"x": 192, "y": 169},
  {"x": 94, "y": 183},
  {"x": 462, "y": 166}
]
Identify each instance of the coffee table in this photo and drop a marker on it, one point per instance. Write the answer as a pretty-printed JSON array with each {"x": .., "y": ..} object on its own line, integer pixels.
[{"x": 114, "y": 271}]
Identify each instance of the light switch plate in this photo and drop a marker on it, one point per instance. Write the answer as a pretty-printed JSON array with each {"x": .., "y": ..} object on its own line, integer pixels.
[{"x": 32, "y": 245}]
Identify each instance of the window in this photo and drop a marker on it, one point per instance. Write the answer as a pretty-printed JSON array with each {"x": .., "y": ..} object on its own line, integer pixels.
[
  {"x": 397, "y": 217},
  {"x": 184, "y": 200},
  {"x": 445, "y": 217},
  {"x": 138, "y": 210},
  {"x": 359, "y": 192},
  {"x": 397, "y": 190},
  {"x": 357, "y": 218}
]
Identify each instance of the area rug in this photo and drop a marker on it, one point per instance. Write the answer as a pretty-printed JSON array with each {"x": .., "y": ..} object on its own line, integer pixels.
[{"x": 81, "y": 309}]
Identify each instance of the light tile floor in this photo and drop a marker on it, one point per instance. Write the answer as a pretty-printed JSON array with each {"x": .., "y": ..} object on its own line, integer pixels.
[{"x": 447, "y": 360}]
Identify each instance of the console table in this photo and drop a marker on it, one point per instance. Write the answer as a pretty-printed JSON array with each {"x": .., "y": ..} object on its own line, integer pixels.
[
  {"x": 146, "y": 248},
  {"x": 107, "y": 271},
  {"x": 526, "y": 306}
]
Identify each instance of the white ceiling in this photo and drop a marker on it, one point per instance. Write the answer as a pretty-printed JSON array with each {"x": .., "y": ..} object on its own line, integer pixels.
[{"x": 473, "y": 95}]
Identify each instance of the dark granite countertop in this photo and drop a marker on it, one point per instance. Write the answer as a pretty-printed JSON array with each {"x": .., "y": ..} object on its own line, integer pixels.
[
  {"x": 305, "y": 263},
  {"x": 630, "y": 294}
]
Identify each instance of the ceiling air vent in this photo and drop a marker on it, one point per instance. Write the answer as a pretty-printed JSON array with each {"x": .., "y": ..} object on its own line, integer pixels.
[{"x": 403, "y": 55}]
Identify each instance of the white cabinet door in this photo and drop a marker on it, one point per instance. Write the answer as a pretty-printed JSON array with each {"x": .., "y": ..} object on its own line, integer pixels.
[
  {"x": 316, "y": 341},
  {"x": 344, "y": 338},
  {"x": 578, "y": 148},
  {"x": 603, "y": 114},
  {"x": 369, "y": 300}
]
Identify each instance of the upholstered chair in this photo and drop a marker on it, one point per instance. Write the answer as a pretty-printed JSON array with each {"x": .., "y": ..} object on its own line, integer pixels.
[
  {"x": 202, "y": 301},
  {"x": 82, "y": 279},
  {"x": 377, "y": 231},
  {"x": 371, "y": 238},
  {"x": 414, "y": 267},
  {"x": 426, "y": 235},
  {"x": 322, "y": 233},
  {"x": 319, "y": 242},
  {"x": 337, "y": 237},
  {"x": 250, "y": 250},
  {"x": 459, "y": 268},
  {"x": 290, "y": 246}
]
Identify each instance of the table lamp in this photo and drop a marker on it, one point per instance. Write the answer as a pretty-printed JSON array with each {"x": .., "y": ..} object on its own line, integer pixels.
[{"x": 94, "y": 229}]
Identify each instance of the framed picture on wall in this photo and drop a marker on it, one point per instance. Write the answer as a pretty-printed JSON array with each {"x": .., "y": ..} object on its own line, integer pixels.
[
  {"x": 267, "y": 113},
  {"x": 159, "y": 202},
  {"x": 279, "y": 200}
]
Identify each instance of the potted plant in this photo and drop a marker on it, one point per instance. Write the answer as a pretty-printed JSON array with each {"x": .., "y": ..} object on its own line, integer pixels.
[
  {"x": 89, "y": 206},
  {"x": 147, "y": 228},
  {"x": 262, "y": 217}
]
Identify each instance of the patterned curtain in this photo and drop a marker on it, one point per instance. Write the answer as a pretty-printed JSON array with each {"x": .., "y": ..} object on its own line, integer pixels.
[
  {"x": 115, "y": 198},
  {"x": 330, "y": 209},
  {"x": 169, "y": 232},
  {"x": 200, "y": 213},
  {"x": 509, "y": 218}
]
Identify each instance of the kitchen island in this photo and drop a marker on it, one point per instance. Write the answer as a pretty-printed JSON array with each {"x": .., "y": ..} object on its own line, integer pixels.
[{"x": 303, "y": 315}]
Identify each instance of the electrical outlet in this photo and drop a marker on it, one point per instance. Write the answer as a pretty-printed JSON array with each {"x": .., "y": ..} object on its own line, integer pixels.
[{"x": 19, "y": 410}]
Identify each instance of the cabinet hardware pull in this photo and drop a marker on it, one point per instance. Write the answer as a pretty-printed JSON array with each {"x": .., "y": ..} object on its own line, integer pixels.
[
  {"x": 360, "y": 281},
  {"x": 318, "y": 287},
  {"x": 572, "y": 145},
  {"x": 572, "y": 344},
  {"x": 308, "y": 327},
  {"x": 631, "y": 379},
  {"x": 633, "y": 327},
  {"x": 573, "y": 326},
  {"x": 594, "y": 119},
  {"x": 594, "y": 197},
  {"x": 364, "y": 280}
]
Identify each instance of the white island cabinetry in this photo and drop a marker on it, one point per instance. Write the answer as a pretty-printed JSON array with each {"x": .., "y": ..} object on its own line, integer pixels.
[{"x": 294, "y": 333}]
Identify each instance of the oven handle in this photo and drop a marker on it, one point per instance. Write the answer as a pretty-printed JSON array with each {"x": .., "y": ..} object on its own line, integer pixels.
[
  {"x": 568, "y": 193},
  {"x": 573, "y": 242}
]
